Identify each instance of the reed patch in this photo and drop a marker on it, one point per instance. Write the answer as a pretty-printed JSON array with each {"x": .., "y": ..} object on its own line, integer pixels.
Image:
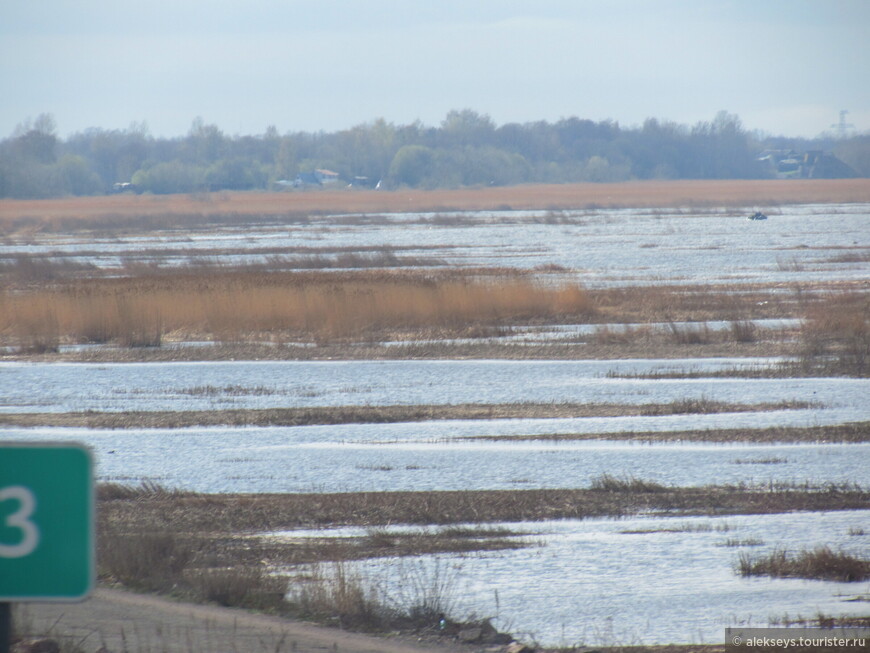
[
  {"x": 317, "y": 307},
  {"x": 835, "y": 335},
  {"x": 821, "y": 563}
]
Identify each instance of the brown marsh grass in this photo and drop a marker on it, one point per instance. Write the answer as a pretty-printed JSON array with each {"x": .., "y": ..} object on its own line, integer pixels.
[
  {"x": 835, "y": 336},
  {"x": 226, "y": 514},
  {"x": 125, "y": 212},
  {"x": 232, "y": 306}
]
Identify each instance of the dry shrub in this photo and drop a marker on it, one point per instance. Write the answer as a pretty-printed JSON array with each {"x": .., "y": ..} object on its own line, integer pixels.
[
  {"x": 743, "y": 331},
  {"x": 425, "y": 593},
  {"x": 419, "y": 597},
  {"x": 248, "y": 587},
  {"x": 152, "y": 561},
  {"x": 835, "y": 335},
  {"x": 338, "y": 595},
  {"x": 691, "y": 335}
]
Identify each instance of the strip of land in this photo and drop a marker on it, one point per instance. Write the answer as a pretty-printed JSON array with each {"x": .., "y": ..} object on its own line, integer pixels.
[
  {"x": 852, "y": 432},
  {"x": 155, "y": 509},
  {"x": 115, "y": 209},
  {"x": 378, "y": 414}
]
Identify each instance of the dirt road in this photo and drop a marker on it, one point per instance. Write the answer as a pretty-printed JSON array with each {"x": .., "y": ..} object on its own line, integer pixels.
[{"x": 124, "y": 622}]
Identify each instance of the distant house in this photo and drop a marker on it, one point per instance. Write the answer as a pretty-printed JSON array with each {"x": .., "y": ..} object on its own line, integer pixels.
[
  {"x": 813, "y": 164},
  {"x": 326, "y": 177},
  {"x": 319, "y": 177}
]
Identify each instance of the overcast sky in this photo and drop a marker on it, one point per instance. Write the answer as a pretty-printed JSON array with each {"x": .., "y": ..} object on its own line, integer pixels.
[{"x": 784, "y": 66}]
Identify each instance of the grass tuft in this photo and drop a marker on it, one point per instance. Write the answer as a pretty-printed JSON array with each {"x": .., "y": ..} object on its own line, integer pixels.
[
  {"x": 608, "y": 483},
  {"x": 821, "y": 563}
]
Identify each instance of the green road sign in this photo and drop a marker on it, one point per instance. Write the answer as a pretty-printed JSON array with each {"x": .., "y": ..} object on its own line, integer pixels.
[{"x": 46, "y": 522}]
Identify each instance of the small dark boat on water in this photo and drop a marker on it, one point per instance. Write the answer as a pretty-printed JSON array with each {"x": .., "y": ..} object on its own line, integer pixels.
[{"x": 758, "y": 215}]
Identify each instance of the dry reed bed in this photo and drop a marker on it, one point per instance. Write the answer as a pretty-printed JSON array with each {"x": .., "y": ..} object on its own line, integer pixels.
[
  {"x": 166, "y": 211},
  {"x": 349, "y": 313},
  {"x": 230, "y": 306},
  {"x": 245, "y": 305}
]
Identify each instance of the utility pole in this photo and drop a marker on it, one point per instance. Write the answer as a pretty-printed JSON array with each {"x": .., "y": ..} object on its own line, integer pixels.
[{"x": 842, "y": 127}]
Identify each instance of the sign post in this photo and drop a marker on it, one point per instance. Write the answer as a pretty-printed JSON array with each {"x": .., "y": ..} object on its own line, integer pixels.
[{"x": 46, "y": 524}]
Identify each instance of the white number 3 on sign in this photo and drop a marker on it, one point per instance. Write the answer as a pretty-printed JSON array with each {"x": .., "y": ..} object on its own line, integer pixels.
[{"x": 20, "y": 520}]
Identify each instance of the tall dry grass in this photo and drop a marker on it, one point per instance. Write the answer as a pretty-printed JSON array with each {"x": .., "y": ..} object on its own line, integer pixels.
[
  {"x": 835, "y": 335},
  {"x": 240, "y": 305},
  {"x": 120, "y": 212}
]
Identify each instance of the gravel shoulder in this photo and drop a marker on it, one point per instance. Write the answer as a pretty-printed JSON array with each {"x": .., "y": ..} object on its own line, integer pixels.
[{"x": 123, "y": 621}]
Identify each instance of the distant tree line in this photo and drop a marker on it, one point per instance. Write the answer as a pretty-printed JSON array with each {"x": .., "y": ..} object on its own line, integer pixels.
[{"x": 466, "y": 149}]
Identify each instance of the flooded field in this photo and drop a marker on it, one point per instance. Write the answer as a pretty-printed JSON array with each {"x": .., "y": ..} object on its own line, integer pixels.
[
  {"x": 823, "y": 242},
  {"x": 579, "y": 568},
  {"x": 186, "y": 386},
  {"x": 646, "y": 579},
  {"x": 435, "y": 456}
]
